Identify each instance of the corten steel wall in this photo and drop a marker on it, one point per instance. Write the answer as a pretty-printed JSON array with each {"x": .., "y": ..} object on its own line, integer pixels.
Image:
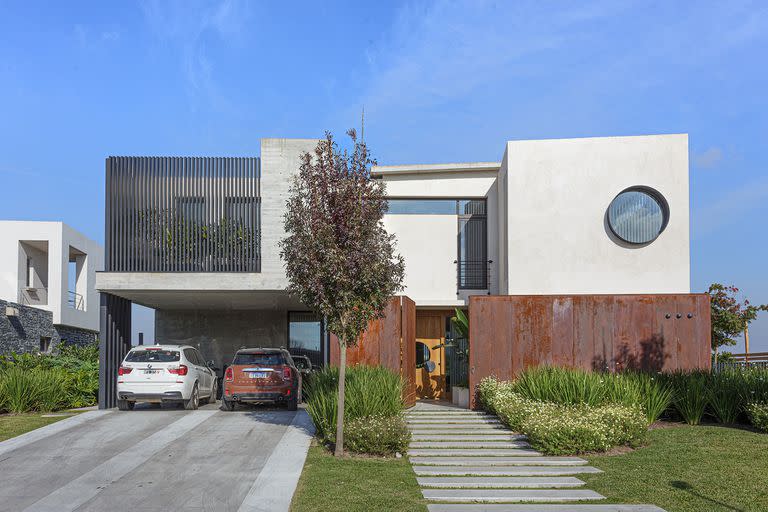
[
  {"x": 594, "y": 332},
  {"x": 389, "y": 341},
  {"x": 182, "y": 214}
]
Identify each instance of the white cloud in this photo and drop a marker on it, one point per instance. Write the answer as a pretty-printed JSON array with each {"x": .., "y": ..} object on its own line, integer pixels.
[
  {"x": 188, "y": 27},
  {"x": 731, "y": 207},
  {"x": 708, "y": 158}
]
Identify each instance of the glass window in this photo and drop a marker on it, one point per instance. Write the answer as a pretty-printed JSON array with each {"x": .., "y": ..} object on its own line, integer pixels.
[
  {"x": 304, "y": 331},
  {"x": 153, "y": 356},
  {"x": 260, "y": 358},
  {"x": 422, "y": 207},
  {"x": 422, "y": 354},
  {"x": 638, "y": 215}
]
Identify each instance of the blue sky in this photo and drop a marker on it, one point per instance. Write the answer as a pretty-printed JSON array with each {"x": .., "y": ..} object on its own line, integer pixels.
[{"x": 440, "y": 82}]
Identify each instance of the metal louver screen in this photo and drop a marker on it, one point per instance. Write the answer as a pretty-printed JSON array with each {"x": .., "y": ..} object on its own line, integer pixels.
[
  {"x": 179, "y": 214},
  {"x": 636, "y": 217}
]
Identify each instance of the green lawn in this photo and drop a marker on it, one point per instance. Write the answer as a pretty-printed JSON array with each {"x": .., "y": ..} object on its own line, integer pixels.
[
  {"x": 689, "y": 469},
  {"x": 12, "y": 425},
  {"x": 356, "y": 484}
]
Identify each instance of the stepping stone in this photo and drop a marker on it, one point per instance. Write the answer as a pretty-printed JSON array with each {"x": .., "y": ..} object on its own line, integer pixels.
[
  {"x": 507, "y": 495},
  {"x": 464, "y": 452},
  {"x": 469, "y": 428},
  {"x": 462, "y": 507},
  {"x": 500, "y": 445},
  {"x": 503, "y": 470},
  {"x": 509, "y": 482},
  {"x": 456, "y": 421},
  {"x": 499, "y": 461},
  {"x": 486, "y": 436}
]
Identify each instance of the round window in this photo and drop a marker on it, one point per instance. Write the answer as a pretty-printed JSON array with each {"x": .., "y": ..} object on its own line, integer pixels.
[
  {"x": 422, "y": 354},
  {"x": 638, "y": 215}
]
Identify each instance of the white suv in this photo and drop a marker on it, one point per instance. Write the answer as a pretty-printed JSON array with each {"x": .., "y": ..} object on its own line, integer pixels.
[{"x": 165, "y": 373}]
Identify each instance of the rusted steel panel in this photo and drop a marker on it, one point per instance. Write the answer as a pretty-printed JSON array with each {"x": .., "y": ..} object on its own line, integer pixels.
[
  {"x": 408, "y": 349},
  {"x": 562, "y": 331},
  {"x": 384, "y": 344},
  {"x": 609, "y": 332}
]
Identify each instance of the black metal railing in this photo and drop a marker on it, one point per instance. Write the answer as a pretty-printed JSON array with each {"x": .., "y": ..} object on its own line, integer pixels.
[{"x": 472, "y": 275}]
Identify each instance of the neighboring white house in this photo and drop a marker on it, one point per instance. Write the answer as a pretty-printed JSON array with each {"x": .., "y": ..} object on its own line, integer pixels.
[{"x": 51, "y": 267}]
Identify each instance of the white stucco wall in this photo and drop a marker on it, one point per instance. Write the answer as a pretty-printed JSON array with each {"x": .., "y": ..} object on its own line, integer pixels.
[
  {"x": 59, "y": 238},
  {"x": 557, "y": 195},
  {"x": 429, "y": 242}
]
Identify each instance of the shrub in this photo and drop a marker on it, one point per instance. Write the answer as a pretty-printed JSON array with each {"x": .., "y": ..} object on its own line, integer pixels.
[
  {"x": 371, "y": 391},
  {"x": 725, "y": 392},
  {"x": 558, "y": 429},
  {"x": 562, "y": 430},
  {"x": 758, "y": 415},
  {"x": 377, "y": 435}
]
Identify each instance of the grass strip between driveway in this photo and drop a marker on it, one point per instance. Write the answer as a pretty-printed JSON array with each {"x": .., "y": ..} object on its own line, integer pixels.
[
  {"x": 12, "y": 425},
  {"x": 687, "y": 468},
  {"x": 356, "y": 484}
]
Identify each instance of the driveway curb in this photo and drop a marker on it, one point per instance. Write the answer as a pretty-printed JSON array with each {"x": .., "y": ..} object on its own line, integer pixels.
[{"x": 274, "y": 487}]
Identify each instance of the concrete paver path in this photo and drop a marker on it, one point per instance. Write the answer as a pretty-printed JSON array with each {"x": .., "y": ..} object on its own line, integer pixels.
[
  {"x": 158, "y": 459},
  {"x": 468, "y": 461}
]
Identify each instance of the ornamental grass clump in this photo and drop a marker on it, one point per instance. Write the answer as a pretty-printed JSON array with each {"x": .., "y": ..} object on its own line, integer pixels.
[{"x": 370, "y": 392}]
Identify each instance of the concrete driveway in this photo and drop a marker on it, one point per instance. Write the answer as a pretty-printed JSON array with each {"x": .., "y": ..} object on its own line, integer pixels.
[{"x": 158, "y": 459}]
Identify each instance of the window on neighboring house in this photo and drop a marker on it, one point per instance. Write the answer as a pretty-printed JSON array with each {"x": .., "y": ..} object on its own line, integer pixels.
[
  {"x": 45, "y": 344},
  {"x": 30, "y": 273}
]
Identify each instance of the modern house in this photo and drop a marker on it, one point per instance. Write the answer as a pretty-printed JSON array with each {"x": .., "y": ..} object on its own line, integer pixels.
[
  {"x": 566, "y": 251},
  {"x": 47, "y": 286}
]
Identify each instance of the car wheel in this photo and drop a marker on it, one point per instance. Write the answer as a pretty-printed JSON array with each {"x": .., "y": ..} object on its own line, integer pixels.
[
  {"x": 212, "y": 397},
  {"x": 125, "y": 405},
  {"x": 227, "y": 405},
  {"x": 194, "y": 400}
]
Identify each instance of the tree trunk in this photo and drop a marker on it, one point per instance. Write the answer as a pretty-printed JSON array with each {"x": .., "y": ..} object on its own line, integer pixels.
[
  {"x": 716, "y": 354},
  {"x": 339, "y": 451}
]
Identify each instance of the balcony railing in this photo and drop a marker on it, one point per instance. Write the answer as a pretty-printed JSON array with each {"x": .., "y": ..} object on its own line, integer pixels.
[
  {"x": 472, "y": 275},
  {"x": 75, "y": 301}
]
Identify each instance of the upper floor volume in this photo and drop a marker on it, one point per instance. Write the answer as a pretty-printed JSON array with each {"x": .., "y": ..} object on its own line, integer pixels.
[{"x": 183, "y": 214}]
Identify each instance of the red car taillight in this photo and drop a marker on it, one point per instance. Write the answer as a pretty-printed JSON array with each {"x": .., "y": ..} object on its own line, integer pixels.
[
  {"x": 124, "y": 370},
  {"x": 181, "y": 370},
  {"x": 286, "y": 373},
  {"x": 229, "y": 375}
]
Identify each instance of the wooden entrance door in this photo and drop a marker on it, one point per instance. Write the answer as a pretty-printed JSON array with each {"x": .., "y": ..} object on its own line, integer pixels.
[{"x": 430, "y": 355}]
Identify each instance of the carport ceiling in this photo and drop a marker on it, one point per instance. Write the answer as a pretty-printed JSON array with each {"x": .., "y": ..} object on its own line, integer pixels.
[{"x": 210, "y": 299}]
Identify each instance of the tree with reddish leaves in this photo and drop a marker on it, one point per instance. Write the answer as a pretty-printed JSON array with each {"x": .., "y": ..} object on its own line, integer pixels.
[
  {"x": 730, "y": 318},
  {"x": 339, "y": 259}
]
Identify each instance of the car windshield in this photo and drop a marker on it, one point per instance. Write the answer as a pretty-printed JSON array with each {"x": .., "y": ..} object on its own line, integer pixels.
[
  {"x": 152, "y": 356},
  {"x": 264, "y": 359}
]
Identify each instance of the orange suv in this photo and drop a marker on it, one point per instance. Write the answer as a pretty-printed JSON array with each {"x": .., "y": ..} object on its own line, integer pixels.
[{"x": 261, "y": 375}]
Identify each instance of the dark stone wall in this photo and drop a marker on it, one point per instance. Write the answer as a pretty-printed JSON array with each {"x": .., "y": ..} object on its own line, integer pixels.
[
  {"x": 75, "y": 336},
  {"x": 23, "y": 333}
]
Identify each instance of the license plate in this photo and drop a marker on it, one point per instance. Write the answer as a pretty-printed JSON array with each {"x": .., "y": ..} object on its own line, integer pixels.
[
  {"x": 151, "y": 372},
  {"x": 257, "y": 375}
]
